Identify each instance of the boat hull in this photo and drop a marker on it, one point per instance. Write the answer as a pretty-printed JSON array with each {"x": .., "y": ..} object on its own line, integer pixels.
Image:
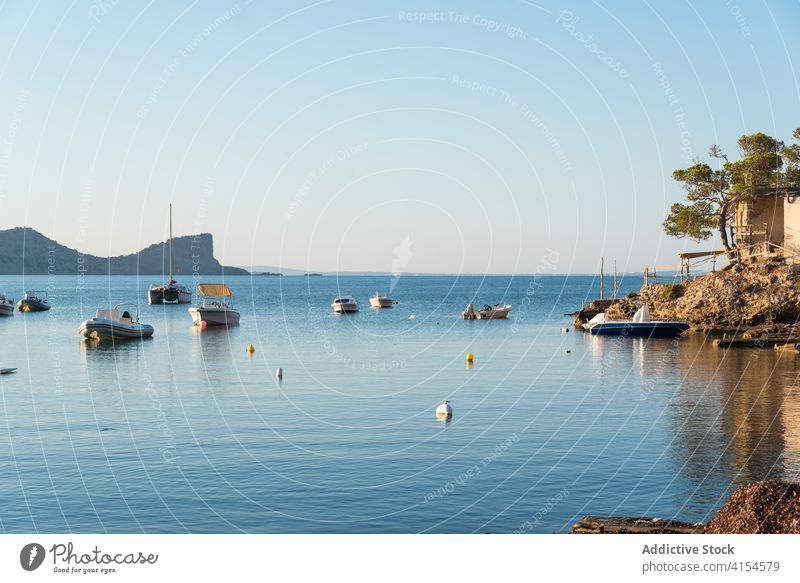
[
  {"x": 214, "y": 316},
  {"x": 344, "y": 308},
  {"x": 640, "y": 329},
  {"x": 169, "y": 295},
  {"x": 32, "y": 305},
  {"x": 382, "y": 302},
  {"x": 6, "y": 309},
  {"x": 102, "y": 329},
  {"x": 500, "y": 314}
]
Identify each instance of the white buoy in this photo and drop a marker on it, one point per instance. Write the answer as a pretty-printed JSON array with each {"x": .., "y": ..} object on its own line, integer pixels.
[
  {"x": 564, "y": 330},
  {"x": 279, "y": 373},
  {"x": 444, "y": 410},
  {"x": 412, "y": 317}
]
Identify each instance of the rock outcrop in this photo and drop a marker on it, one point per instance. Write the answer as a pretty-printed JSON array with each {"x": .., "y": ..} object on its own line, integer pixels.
[
  {"x": 760, "y": 295},
  {"x": 24, "y": 250},
  {"x": 769, "y": 507}
]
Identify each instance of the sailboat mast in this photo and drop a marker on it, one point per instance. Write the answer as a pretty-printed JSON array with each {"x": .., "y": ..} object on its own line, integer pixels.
[{"x": 170, "y": 242}]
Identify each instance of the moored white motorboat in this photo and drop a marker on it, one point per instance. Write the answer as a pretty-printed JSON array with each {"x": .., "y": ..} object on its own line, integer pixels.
[
  {"x": 215, "y": 307},
  {"x": 113, "y": 325},
  {"x": 380, "y": 300},
  {"x": 495, "y": 312},
  {"x": 6, "y": 306},
  {"x": 639, "y": 326},
  {"x": 33, "y": 301},
  {"x": 344, "y": 305}
]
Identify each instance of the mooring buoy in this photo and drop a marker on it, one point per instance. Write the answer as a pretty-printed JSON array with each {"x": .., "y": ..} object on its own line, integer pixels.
[{"x": 444, "y": 410}]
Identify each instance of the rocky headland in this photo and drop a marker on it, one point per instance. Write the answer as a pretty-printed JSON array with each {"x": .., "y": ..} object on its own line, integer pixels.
[
  {"x": 746, "y": 299},
  {"x": 26, "y": 251}
]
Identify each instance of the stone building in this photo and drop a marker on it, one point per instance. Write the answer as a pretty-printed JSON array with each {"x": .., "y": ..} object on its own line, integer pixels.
[{"x": 770, "y": 223}]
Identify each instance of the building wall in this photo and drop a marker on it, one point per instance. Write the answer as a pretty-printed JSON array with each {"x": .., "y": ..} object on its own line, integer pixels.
[
  {"x": 769, "y": 211},
  {"x": 791, "y": 222},
  {"x": 764, "y": 212}
]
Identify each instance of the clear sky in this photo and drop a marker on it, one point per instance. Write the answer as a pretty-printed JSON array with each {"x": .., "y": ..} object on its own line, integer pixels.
[{"x": 438, "y": 136}]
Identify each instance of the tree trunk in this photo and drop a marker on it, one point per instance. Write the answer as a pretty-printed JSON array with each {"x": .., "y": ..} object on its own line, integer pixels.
[{"x": 722, "y": 225}]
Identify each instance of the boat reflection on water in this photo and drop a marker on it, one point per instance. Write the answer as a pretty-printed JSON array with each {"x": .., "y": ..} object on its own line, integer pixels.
[
  {"x": 110, "y": 348},
  {"x": 110, "y": 365},
  {"x": 212, "y": 348}
]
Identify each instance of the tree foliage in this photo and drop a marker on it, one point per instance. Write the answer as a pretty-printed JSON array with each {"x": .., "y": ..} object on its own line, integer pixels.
[
  {"x": 791, "y": 160},
  {"x": 713, "y": 191},
  {"x": 695, "y": 221}
]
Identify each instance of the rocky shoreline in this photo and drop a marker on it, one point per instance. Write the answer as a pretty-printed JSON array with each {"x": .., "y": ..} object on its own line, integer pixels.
[{"x": 751, "y": 301}]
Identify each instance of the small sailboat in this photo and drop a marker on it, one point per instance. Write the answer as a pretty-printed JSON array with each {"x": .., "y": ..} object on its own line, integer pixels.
[
  {"x": 495, "y": 312},
  {"x": 380, "y": 300},
  {"x": 115, "y": 325},
  {"x": 172, "y": 292},
  {"x": 639, "y": 326},
  {"x": 344, "y": 305},
  {"x": 33, "y": 301},
  {"x": 6, "y": 306},
  {"x": 215, "y": 307}
]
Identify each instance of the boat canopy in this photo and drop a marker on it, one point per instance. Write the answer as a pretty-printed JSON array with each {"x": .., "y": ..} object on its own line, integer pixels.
[
  {"x": 600, "y": 318},
  {"x": 642, "y": 315},
  {"x": 218, "y": 290}
]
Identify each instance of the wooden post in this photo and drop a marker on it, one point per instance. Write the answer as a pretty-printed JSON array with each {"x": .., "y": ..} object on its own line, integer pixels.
[
  {"x": 602, "y": 290},
  {"x": 616, "y": 282}
]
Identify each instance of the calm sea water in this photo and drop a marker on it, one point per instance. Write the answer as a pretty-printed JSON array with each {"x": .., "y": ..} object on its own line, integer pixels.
[{"x": 187, "y": 432}]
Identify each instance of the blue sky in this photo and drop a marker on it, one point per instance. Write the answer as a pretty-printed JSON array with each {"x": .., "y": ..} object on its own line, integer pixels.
[{"x": 511, "y": 137}]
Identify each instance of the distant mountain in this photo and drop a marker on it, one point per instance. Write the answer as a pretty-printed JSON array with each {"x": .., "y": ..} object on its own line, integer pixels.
[{"x": 24, "y": 250}]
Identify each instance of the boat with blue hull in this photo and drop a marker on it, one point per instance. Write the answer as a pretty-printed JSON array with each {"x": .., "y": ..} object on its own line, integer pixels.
[{"x": 639, "y": 327}]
